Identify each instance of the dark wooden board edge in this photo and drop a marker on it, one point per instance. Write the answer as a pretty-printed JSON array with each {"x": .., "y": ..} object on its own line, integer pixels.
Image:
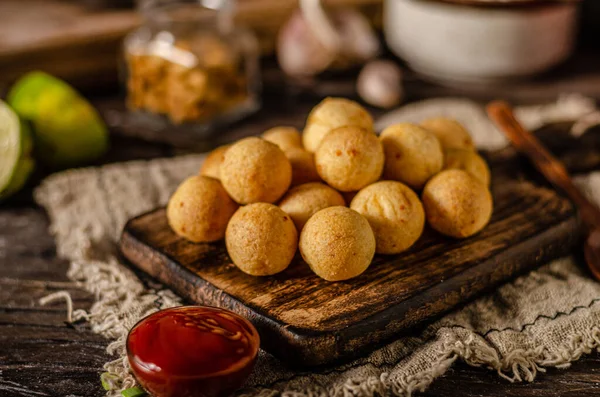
[{"x": 302, "y": 347}]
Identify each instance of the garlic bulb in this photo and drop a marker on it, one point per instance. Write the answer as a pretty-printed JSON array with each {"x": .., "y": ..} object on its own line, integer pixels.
[{"x": 380, "y": 84}]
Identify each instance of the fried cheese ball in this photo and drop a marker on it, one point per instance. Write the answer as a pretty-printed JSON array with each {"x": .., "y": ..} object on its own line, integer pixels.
[
  {"x": 349, "y": 158},
  {"x": 456, "y": 204},
  {"x": 451, "y": 133},
  {"x": 261, "y": 239},
  {"x": 304, "y": 169},
  {"x": 470, "y": 161},
  {"x": 284, "y": 137},
  {"x": 200, "y": 209},
  {"x": 303, "y": 201},
  {"x": 255, "y": 170},
  {"x": 212, "y": 163},
  {"x": 330, "y": 114},
  {"x": 412, "y": 154},
  {"x": 394, "y": 212},
  {"x": 337, "y": 243}
]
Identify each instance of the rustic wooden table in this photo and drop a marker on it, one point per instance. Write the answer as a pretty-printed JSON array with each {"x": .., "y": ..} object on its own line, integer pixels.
[{"x": 41, "y": 356}]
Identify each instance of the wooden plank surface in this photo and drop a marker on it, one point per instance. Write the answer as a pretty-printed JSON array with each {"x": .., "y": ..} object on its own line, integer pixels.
[{"x": 39, "y": 354}]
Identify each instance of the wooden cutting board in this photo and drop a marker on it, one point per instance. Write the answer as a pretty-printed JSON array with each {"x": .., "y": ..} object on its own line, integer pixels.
[{"x": 305, "y": 320}]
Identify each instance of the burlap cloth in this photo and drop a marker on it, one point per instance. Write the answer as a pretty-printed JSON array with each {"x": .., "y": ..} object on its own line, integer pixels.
[{"x": 548, "y": 318}]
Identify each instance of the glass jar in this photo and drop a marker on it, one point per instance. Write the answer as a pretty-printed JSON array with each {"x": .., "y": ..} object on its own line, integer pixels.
[{"x": 187, "y": 65}]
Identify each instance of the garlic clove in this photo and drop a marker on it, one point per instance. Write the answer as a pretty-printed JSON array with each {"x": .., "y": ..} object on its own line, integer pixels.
[
  {"x": 358, "y": 38},
  {"x": 379, "y": 84},
  {"x": 299, "y": 51}
]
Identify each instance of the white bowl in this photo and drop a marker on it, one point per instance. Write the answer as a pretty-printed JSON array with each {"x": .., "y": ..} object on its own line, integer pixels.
[{"x": 462, "y": 43}]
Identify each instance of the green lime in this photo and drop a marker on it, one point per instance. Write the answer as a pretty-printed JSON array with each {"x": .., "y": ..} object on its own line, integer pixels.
[
  {"x": 16, "y": 163},
  {"x": 25, "y": 93},
  {"x": 67, "y": 129}
]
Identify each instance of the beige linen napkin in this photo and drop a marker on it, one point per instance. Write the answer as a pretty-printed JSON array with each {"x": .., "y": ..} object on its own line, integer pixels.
[{"x": 549, "y": 317}]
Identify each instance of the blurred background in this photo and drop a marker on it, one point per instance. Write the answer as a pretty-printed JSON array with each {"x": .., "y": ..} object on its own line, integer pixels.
[
  {"x": 81, "y": 40},
  {"x": 160, "y": 77}
]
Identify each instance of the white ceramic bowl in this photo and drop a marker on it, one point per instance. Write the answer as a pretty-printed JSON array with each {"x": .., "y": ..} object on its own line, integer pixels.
[{"x": 457, "y": 43}]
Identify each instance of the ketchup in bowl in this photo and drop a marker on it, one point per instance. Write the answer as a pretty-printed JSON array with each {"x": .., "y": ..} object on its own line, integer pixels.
[{"x": 192, "y": 351}]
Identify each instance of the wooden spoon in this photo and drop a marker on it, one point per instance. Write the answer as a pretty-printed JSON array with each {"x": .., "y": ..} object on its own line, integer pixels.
[{"x": 525, "y": 142}]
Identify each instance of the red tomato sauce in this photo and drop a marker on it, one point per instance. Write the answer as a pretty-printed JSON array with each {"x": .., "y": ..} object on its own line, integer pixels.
[{"x": 192, "y": 351}]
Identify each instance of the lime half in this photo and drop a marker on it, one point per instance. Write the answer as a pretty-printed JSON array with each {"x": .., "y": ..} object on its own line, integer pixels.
[
  {"x": 10, "y": 144},
  {"x": 16, "y": 163}
]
